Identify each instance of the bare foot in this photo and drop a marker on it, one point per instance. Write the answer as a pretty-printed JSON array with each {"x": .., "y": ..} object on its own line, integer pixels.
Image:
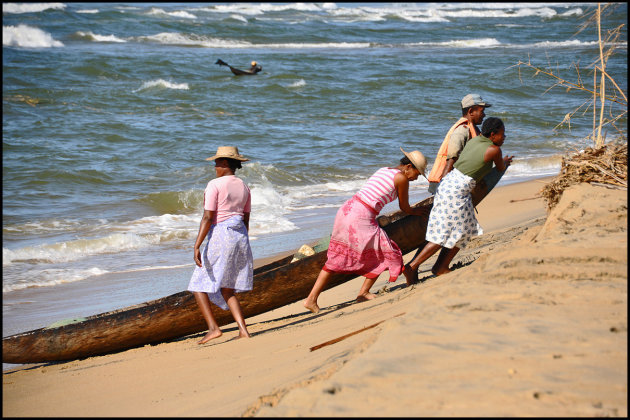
[
  {"x": 243, "y": 335},
  {"x": 210, "y": 335},
  {"x": 365, "y": 297},
  {"x": 311, "y": 306},
  {"x": 440, "y": 272},
  {"x": 410, "y": 274}
]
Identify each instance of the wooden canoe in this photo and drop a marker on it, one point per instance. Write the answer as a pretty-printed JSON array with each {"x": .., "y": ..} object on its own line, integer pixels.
[{"x": 275, "y": 285}]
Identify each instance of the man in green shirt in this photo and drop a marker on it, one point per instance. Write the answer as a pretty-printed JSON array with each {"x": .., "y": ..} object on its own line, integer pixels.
[{"x": 452, "y": 222}]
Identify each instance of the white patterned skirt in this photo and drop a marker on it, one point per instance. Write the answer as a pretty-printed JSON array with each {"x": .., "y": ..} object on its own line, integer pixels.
[
  {"x": 227, "y": 262},
  {"x": 452, "y": 221}
]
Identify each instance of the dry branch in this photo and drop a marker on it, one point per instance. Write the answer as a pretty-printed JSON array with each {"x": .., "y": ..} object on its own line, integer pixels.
[{"x": 607, "y": 164}]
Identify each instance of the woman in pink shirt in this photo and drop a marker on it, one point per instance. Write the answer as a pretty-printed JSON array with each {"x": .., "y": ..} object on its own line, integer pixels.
[
  {"x": 226, "y": 264},
  {"x": 358, "y": 244}
]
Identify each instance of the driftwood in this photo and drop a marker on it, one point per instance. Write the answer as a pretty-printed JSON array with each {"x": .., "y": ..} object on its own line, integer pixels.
[{"x": 343, "y": 337}]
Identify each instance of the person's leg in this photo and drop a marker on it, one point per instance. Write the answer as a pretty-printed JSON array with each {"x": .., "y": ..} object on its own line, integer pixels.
[
  {"x": 235, "y": 309},
  {"x": 310, "y": 302},
  {"x": 364, "y": 293},
  {"x": 411, "y": 268},
  {"x": 440, "y": 259},
  {"x": 444, "y": 260},
  {"x": 203, "y": 302}
]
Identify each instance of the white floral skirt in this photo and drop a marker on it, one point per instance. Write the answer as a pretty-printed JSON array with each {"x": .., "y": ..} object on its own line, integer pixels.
[
  {"x": 452, "y": 221},
  {"x": 227, "y": 262}
]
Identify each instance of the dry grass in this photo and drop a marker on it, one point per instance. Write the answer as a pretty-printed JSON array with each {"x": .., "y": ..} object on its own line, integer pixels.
[{"x": 607, "y": 164}]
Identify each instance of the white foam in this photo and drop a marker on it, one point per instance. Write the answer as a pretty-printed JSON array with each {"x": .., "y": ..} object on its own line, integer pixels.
[
  {"x": 88, "y": 11},
  {"x": 560, "y": 44},
  {"x": 498, "y": 13},
  {"x": 262, "y": 8},
  {"x": 178, "y": 14},
  {"x": 74, "y": 250},
  {"x": 51, "y": 277},
  {"x": 299, "y": 83},
  {"x": 42, "y": 227},
  {"x": 27, "y": 37},
  {"x": 99, "y": 38},
  {"x": 472, "y": 43},
  {"x": 161, "y": 83},
  {"x": 300, "y": 45},
  {"x": 269, "y": 209},
  {"x": 18, "y": 8},
  {"x": 573, "y": 12},
  {"x": 239, "y": 17},
  {"x": 175, "y": 38}
]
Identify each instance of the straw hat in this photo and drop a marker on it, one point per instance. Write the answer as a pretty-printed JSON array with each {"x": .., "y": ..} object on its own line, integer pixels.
[
  {"x": 229, "y": 152},
  {"x": 417, "y": 159}
]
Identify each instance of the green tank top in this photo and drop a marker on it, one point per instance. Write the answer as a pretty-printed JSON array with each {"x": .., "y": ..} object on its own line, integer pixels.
[{"x": 470, "y": 161}]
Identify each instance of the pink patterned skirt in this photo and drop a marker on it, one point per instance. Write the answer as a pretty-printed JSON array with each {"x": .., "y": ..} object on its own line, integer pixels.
[{"x": 360, "y": 246}]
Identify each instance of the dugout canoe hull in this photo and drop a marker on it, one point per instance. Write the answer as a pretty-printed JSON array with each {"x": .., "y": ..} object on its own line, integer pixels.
[{"x": 275, "y": 285}]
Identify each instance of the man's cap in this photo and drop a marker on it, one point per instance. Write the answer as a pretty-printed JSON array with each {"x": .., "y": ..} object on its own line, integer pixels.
[{"x": 473, "y": 99}]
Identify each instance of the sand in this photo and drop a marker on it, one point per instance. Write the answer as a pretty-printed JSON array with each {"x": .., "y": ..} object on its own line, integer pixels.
[{"x": 531, "y": 322}]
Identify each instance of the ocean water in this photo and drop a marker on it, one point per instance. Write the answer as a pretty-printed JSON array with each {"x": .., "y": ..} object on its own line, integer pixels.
[{"x": 109, "y": 111}]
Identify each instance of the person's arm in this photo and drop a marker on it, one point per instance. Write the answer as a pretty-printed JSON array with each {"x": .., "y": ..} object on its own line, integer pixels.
[
  {"x": 204, "y": 227},
  {"x": 246, "y": 220},
  {"x": 456, "y": 144},
  {"x": 247, "y": 209},
  {"x": 493, "y": 153},
  {"x": 402, "y": 187},
  {"x": 449, "y": 166}
]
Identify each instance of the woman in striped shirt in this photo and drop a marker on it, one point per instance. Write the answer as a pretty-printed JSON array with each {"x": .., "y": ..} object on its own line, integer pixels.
[{"x": 358, "y": 245}]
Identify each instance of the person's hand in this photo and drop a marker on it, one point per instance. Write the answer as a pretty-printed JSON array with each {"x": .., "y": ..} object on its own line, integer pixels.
[
  {"x": 508, "y": 160},
  {"x": 197, "y": 257},
  {"x": 422, "y": 211}
]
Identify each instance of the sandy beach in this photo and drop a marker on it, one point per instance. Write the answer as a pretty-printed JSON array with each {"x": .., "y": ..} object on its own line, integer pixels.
[{"x": 532, "y": 321}]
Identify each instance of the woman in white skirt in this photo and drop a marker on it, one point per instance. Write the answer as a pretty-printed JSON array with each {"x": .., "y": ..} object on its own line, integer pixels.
[
  {"x": 226, "y": 264},
  {"x": 452, "y": 222}
]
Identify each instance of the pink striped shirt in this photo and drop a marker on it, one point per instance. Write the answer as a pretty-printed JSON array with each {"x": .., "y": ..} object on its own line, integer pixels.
[{"x": 379, "y": 189}]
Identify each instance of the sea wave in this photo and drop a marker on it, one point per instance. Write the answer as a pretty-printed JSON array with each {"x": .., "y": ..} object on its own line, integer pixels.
[
  {"x": 176, "y": 38},
  {"x": 238, "y": 17},
  {"x": 17, "y": 8},
  {"x": 73, "y": 250},
  {"x": 260, "y": 9},
  {"x": 27, "y": 37},
  {"x": 178, "y": 14},
  {"x": 173, "y": 202},
  {"x": 90, "y": 36},
  {"x": 51, "y": 277},
  {"x": 44, "y": 227},
  {"x": 546, "y": 12},
  {"x": 163, "y": 84},
  {"x": 468, "y": 43},
  {"x": 560, "y": 44},
  {"x": 299, "y": 83},
  {"x": 193, "y": 40},
  {"x": 426, "y": 12},
  {"x": 528, "y": 168}
]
